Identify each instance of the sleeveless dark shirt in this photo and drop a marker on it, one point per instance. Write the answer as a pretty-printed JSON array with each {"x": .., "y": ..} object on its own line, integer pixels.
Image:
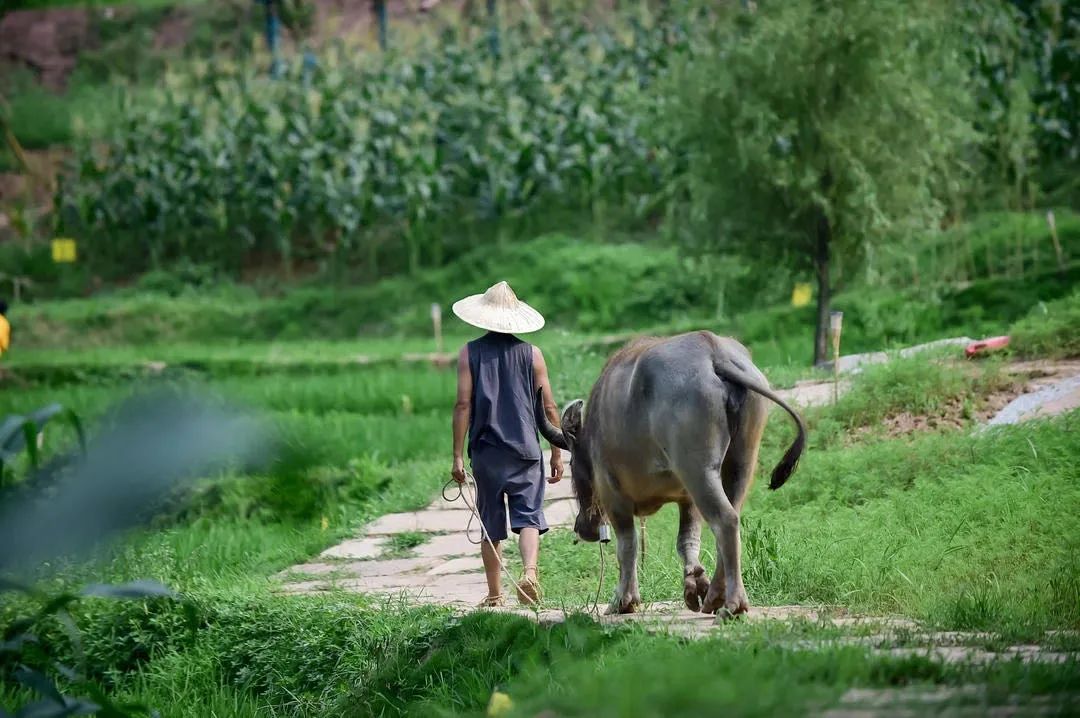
[{"x": 502, "y": 399}]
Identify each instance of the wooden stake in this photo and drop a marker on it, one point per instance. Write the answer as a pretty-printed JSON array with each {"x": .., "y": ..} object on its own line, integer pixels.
[
  {"x": 436, "y": 322},
  {"x": 1057, "y": 244},
  {"x": 836, "y": 320}
]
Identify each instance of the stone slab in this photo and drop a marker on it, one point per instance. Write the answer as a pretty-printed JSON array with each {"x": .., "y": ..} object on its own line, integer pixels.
[
  {"x": 358, "y": 584},
  {"x": 347, "y": 569},
  {"x": 853, "y": 363},
  {"x": 356, "y": 548},
  {"x": 421, "y": 521},
  {"x": 463, "y": 589},
  {"x": 561, "y": 512},
  {"x": 563, "y": 489},
  {"x": 1057, "y": 398},
  {"x": 440, "y": 504},
  {"x": 464, "y": 564},
  {"x": 813, "y": 393},
  {"x": 314, "y": 569},
  {"x": 455, "y": 544}
]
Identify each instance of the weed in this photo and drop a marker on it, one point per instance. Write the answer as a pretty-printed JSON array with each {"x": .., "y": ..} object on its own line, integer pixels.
[
  {"x": 1051, "y": 329},
  {"x": 401, "y": 545}
]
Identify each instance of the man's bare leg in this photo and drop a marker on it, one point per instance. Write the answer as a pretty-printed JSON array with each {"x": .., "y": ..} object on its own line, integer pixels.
[
  {"x": 529, "y": 543},
  {"x": 491, "y": 558}
]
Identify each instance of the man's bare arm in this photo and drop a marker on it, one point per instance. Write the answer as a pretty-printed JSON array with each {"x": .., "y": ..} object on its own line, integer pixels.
[{"x": 462, "y": 412}]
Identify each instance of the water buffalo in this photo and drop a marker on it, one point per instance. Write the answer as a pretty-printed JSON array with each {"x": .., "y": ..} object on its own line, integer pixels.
[{"x": 672, "y": 420}]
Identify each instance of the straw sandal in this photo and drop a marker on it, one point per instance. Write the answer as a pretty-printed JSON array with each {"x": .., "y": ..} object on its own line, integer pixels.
[
  {"x": 492, "y": 602},
  {"x": 528, "y": 590}
]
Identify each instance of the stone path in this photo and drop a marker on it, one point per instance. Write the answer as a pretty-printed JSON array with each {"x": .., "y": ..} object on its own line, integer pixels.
[
  {"x": 918, "y": 701},
  {"x": 445, "y": 569},
  {"x": 1048, "y": 400}
]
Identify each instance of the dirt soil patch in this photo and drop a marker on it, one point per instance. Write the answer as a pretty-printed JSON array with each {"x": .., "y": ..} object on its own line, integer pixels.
[{"x": 960, "y": 412}]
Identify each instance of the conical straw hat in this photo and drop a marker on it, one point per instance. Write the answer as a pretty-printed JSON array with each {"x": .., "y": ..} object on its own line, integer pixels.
[{"x": 499, "y": 310}]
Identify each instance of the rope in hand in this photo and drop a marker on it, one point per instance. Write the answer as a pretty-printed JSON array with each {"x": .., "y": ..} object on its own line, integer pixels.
[{"x": 475, "y": 514}]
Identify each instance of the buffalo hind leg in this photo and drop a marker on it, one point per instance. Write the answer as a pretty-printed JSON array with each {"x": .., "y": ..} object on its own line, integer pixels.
[
  {"x": 695, "y": 584},
  {"x": 726, "y": 593},
  {"x": 737, "y": 470},
  {"x": 627, "y": 597}
]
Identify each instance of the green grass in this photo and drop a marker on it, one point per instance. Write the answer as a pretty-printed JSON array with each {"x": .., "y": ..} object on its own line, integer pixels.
[
  {"x": 401, "y": 545},
  {"x": 958, "y": 531},
  {"x": 929, "y": 385},
  {"x": 201, "y": 329},
  {"x": 41, "y": 118},
  {"x": 848, "y": 539},
  {"x": 1051, "y": 330}
]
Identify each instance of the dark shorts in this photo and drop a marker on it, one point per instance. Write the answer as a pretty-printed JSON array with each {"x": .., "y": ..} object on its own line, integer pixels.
[{"x": 506, "y": 481}]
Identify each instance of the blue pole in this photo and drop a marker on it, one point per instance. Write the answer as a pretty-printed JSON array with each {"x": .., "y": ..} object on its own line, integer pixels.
[
  {"x": 380, "y": 13},
  {"x": 493, "y": 39},
  {"x": 272, "y": 29}
]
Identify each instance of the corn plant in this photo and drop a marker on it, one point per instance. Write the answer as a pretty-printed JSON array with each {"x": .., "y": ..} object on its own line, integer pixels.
[{"x": 387, "y": 162}]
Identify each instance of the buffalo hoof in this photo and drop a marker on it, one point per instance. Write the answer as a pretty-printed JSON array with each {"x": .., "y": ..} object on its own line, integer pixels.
[
  {"x": 714, "y": 600},
  {"x": 695, "y": 588},
  {"x": 735, "y": 604},
  {"x": 624, "y": 605},
  {"x": 732, "y": 610}
]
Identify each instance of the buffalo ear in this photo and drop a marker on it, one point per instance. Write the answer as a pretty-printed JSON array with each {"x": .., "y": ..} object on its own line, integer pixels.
[{"x": 572, "y": 418}]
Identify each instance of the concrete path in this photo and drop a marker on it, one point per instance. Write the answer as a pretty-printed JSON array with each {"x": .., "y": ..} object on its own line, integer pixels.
[
  {"x": 445, "y": 569},
  {"x": 1046, "y": 401}
]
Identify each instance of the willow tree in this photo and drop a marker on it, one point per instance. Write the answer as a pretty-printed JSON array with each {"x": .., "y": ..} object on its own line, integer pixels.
[{"x": 811, "y": 129}]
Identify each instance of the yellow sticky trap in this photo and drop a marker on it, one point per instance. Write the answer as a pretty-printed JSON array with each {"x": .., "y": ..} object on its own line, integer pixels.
[
  {"x": 63, "y": 250},
  {"x": 325, "y": 523},
  {"x": 500, "y": 704},
  {"x": 801, "y": 295}
]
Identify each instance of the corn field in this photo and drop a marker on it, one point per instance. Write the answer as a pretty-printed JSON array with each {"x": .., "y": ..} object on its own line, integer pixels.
[{"x": 385, "y": 164}]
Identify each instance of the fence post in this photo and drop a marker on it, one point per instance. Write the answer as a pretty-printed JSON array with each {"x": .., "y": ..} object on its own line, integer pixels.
[
  {"x": 380, "y": 17},
  {"x": 493, "y": 38},
  {"x": 1052, "y": 223},
  {"x": 273, "y": 25},
  {"x": 836, "y": 323}
]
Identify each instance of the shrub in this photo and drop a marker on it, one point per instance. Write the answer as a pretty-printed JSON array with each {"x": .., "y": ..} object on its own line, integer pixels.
[{"x": 1052, "y": 329}]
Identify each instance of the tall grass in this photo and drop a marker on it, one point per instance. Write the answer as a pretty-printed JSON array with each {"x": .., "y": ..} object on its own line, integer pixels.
[{"x": 1051, "y": 329}]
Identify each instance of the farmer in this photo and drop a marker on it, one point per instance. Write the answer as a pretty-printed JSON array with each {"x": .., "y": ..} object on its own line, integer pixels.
[
  {"x": 5, "y": 328},
  {"x": 498, "y": 376}
]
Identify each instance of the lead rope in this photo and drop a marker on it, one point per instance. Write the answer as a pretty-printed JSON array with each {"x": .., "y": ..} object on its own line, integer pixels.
[
  {"x": 474, "y": 514},
  {"x": 471, "y": 483},
  {"x": 599, "y": 586},
  {"x": 641, "y": 522}
]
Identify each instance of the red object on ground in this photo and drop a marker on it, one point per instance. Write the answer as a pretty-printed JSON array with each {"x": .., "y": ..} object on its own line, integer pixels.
[{"x": 986, "y": 345}]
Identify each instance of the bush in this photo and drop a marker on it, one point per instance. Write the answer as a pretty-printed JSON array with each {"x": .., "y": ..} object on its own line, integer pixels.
[{"x": 1051, "y": 330}]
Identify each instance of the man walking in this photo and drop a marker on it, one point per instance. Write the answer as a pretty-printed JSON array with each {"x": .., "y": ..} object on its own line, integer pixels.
[{"x": 498, "y": 377}]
